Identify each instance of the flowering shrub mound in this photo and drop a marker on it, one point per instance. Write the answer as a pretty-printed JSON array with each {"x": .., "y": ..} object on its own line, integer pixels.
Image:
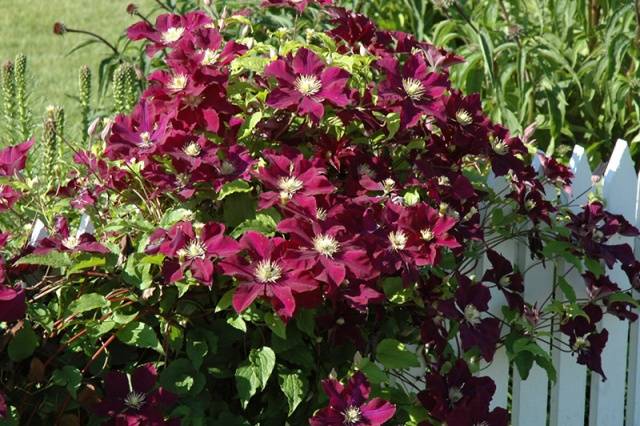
[{"x": 289, "y": 228}]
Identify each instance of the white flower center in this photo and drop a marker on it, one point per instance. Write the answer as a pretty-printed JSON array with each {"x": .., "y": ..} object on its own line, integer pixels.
[
  {"x": 267, "y": 271},
  {"x": 135, "y": 400},
  {"x": 227, "y": 168},
  {"x": 308, "y": 85},
  {"x": 145, "y": 140},
  {"x": 427, "y": 234},
  {"x": 71, "y": 242},
  {"x": 598, "y": 236},
  {"x": 414, "y": 88},
  {"x": 289, "y": 186},
  {"x": 463, "y": 117},
  {"x": 482, "y": 423},
  {"x": 194, "y": 250},
  {"x": 398, "y": 240},
  {"x": 504, "y": 281},
  {"x": 472, "y": 314},
  {"x": 365, "y": 170},
  {"x": 581, "y": 344},
  {"x": 172, "y": 34},
  {"x": 209, "y": 57},
  {"x": 388, "y": 185},
  {"x": 192, "y": 149},
  {"x": 178, "y": 82},
  {"x": 326, "y": 245},
  {"x": 321, "y": 214},
  {"x": 351, "y": 415},
  {"x": 499, "y": 146},
  {"x": 455, "y": 394}
]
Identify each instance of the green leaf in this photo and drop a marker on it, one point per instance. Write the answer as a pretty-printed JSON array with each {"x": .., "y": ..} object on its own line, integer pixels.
[
  {"x": 254, "y": 373},
  {"x": 225, "y": 301},
  {"x": 88, "y": 302},
  {"x": 69, "y": 377},
  {"x": 293, "y": 386},
  {"x": 275, "y": 324},
  {"x": 238, "y": 323},
  {"x": 567, "y": 290},
  {"x": 181, "y": 378},
  {"x": 86, "y": 262},
  {"x": 140, "y": 335},
  {"x": 23, "y": 343},
  {"x": 234, "y": 187},
  {"x": 196, "y": 350},
  {"x": 172, "y": 217},
  {"x": 263, "y": 223},
  {"x": 250, "y": 124},
  {"x": 54, "y": 259},
  {"x": 395, "y": 355}
]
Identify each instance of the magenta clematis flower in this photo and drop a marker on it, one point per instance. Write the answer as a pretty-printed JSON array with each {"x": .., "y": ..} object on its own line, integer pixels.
[
  {"x": 8, "y": 197},
  {"x": 14, "y": 158},
  {"x": 348, "y": 405},
  {"x": 12, "y": 303},
  {"x": 192, "y": 248},
  {"x": 299, "y": 5},
  {"x": 412, "y": 90},
  {"x": 138, "y": 404},
  {"x": 137, "y": 135},
  {"x": 291, "y": 177},
  {"x": 265, "y": 272},
  {"x": 306, "y": 85},
  {"x": 63, "y": 240},
  {"x": 168, "y": 30},
  {"x": 326, "y": 248}
]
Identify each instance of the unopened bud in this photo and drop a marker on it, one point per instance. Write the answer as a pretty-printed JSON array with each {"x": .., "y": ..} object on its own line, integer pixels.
[
  {"x": 59, "y": 28},
  {"x": 132, "y": 9}
]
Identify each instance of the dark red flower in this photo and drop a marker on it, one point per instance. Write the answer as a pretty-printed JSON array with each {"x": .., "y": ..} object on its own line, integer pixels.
[
  {"x": 348, "y": 405},
  {"x": 306, "y": 84},
  {"x": 458, "y": 398},
  {"x": 265, "y": 272},
  {"x": 584, "y": 339},
  {"x": 192, "y": 248},
  {"x": 592, "y": 228},
  {"x": 506, "y": 279},
  {"x": 139, "y": 404},
  {"x": 3, "y": 406}
]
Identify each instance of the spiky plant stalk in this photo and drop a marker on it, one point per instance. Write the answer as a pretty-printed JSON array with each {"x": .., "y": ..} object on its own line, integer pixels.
[
  {"x": 23, "y": 113},
  {"x": 85, "y": 99},
  {"x": 131, "y": 87},
  {"x": 50, "y": 146},
  {"x": 8, "y": 99},
  {"x": 120, "y": 89},
  {"x": 58, "y": 118}
]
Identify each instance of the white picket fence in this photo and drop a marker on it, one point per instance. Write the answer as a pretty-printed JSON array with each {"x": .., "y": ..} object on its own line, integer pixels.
[{"x": 615, "y": 402}]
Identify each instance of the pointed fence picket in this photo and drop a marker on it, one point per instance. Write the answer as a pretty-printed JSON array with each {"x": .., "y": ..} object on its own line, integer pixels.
[{"x": 616, "y": 401}]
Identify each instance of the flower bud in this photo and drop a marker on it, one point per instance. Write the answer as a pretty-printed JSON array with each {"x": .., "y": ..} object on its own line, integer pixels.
[
  {"x": 132, "y": 9},
  {"x": 59, "y": 28}
]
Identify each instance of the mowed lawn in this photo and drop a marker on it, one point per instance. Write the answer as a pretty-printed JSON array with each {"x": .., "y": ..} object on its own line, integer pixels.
[{"x": 26, "y": 27}]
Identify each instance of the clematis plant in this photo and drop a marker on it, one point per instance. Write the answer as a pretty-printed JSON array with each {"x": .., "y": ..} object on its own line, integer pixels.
[{"x": 287, "y": 205}]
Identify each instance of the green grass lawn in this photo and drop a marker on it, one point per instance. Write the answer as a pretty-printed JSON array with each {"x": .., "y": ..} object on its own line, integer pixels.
[{"x": 26, "y": 27}]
